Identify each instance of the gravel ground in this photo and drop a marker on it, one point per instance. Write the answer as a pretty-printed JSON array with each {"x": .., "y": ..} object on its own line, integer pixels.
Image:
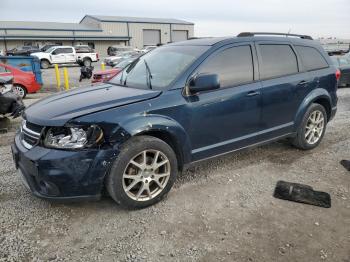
[{"x": 219, "y": 210}]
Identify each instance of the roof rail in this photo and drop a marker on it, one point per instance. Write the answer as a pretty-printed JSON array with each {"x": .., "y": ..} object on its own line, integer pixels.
[{"x": 247, "y": 34}]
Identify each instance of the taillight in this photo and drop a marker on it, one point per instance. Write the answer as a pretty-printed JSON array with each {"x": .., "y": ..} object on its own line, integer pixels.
[
  {"x": 96, "y": 55},
  {"x": 337, "y": 74}
]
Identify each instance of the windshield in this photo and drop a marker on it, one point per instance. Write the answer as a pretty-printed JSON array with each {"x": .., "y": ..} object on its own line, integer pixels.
[
  {"x": 50, "y": 49},
  {"x": 161, "y": 66}
]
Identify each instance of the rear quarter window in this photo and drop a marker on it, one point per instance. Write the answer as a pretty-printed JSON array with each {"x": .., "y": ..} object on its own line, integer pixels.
[
  {"x": 311, "y": 58},
  {"x": 277, "y": 60}
]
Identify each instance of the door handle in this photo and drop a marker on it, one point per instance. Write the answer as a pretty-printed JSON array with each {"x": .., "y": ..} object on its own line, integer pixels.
[
  {"x": 253, "y": 93},
  {"x": 302, "y": 83}
]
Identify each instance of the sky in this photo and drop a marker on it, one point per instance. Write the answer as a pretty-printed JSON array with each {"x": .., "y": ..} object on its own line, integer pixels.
[{"x": 318, "y": 18}]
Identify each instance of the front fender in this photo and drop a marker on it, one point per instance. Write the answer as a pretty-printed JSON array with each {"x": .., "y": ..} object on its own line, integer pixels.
[
  {"x": 314, "y": 95},
  {"x": 148, "y": 123}
]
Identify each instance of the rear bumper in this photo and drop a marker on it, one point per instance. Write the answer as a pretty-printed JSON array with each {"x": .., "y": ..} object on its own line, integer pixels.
[{"x": 62, "y": 175}]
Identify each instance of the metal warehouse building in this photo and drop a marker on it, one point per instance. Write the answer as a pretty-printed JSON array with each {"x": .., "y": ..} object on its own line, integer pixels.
[{"x": 97, "y": 31}]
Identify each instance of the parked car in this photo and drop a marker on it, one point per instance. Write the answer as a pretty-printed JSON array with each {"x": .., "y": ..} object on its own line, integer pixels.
[
  {"x": 344, "y": 66},
  {"x": 148, "y": 48},
  {"x": 179, "y": 104},
  {"x": 22, "y": 51},
  {"x": 117, "y": 49},
  {"x": 23, "y": 82},
  {"x": 65, "y": 55},
  {"x": 106, "y": 75},
  {"x": 114, "y": 60}
]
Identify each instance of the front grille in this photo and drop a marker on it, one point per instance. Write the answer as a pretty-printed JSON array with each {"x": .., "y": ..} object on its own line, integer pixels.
[{"x": 30, "y": 134}]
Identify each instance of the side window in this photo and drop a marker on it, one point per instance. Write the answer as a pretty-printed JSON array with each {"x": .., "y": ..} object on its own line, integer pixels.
[
  {"x": 67, "y": 50},
  {"x": 311, "y": 58},
  {"x": 277, "y": 61},
  {"x": 233, "y": 65},
  {"x": 58, "y": 51}
]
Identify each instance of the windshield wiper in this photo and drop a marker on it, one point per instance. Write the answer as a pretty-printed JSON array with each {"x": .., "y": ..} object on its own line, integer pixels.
[{"x": 149, "y": 75}]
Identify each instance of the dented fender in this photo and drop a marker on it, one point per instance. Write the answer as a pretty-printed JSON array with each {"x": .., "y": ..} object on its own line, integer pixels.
[{"x": 147, "y": 123}]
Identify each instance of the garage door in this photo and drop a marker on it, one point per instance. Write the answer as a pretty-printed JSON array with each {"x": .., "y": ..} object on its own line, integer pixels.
[
  {"x": 151, "y": 37},
  {"x": 179, "y": 35}
]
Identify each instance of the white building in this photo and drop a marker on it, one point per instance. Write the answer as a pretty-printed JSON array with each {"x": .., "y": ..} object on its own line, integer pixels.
[{"x": 99, "y": 32}]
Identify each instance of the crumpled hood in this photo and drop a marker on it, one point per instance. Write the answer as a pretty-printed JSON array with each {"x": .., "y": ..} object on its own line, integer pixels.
[{"x": 56, "y": 110}]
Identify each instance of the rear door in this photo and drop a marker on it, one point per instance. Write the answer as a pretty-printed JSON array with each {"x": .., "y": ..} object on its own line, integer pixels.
[
  {"x": 69, "y": 55},
  {"x": 281, "y": 87}
]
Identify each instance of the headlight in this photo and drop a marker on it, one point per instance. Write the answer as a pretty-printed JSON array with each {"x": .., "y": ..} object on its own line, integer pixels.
[{"x": 73, "y": 137}]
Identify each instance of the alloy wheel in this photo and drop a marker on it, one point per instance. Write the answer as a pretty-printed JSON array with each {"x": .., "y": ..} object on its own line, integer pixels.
[
  {"x": 19, "y": 91},
  {"x": 314, "y": 127},
  {"x": 146, "y": 175}
]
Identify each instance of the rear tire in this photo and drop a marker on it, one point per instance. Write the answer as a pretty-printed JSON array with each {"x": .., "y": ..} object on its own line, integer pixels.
[
  {"x": 143, "y": 173},
  {"x": 87, "y": 62},
  {"x": 44, "y": 64},
  {"x": 312, "y": 128}
]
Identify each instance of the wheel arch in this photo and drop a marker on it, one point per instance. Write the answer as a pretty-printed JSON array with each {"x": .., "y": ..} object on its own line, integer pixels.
[
  {"x": 163, "y": 128},
  {"x": 45, "y": 59},
  {"x": 319, "y": 96},
  {"x": 21, "y": 85}
]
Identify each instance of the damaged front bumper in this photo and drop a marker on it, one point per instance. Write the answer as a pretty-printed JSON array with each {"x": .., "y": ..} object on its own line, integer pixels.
[{"x": 62, "y": 175}]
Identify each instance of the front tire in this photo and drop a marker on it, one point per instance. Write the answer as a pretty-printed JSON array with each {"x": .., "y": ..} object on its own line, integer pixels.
[
  {"x": 44, "y": 64},
  {"x": 312, "y": 128},
  {"x": 143, "y": 173},
  {"x": 20, "y": 90}
]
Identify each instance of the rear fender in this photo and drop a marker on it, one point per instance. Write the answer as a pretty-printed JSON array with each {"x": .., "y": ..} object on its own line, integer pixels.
[{"x": 316, "y": 94}]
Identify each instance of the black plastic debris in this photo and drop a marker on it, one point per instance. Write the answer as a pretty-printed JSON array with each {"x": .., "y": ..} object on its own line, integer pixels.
[
  {"x": 346, "y": 164},
  {"x": 302, "y": 194}
]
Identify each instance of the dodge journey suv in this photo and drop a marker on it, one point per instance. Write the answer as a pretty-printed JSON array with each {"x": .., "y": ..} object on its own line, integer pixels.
[{"x": 180, "y": 103}]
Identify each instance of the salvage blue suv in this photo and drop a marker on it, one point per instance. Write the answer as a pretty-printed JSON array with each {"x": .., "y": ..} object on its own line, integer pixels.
[{"x": 178, "y": 104}]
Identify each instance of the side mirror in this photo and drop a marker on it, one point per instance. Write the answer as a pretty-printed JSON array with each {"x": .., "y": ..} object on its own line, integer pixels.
[
  {"x": 203, "y": 82},
  {"x": 54, "y": 52}
]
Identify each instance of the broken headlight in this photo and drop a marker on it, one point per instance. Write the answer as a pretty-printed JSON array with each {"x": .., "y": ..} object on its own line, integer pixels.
[{"x": 73, "y": 137}]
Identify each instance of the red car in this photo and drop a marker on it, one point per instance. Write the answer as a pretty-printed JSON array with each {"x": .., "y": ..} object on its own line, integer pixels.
[
  {"x": 23, "y": 82},
  {"x": 105, "y": 75}
]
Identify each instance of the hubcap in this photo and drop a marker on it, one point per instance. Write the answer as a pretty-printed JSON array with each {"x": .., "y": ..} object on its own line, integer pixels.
[
  {"x": 146, "y": 175},
  {"x": 314, "y": 127},
  {"x": 19, "y": 91}
]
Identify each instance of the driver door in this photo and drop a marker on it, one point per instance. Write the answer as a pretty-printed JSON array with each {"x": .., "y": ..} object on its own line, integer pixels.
[
  {"x": 58, "y": 56},
  {"x": 229, "y": 117}
]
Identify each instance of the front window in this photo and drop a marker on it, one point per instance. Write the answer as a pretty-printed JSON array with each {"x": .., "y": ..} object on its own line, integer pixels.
[{"x": 159, "y": 68}]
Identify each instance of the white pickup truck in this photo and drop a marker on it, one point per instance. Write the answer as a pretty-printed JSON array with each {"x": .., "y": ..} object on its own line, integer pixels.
[{"x": 66, "y": 55}]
